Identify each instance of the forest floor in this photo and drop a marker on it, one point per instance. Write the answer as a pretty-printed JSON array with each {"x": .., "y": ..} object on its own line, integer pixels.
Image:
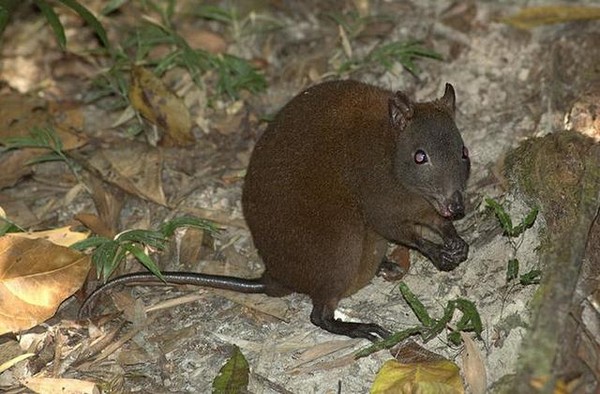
[{"x": 504, "y": 79}]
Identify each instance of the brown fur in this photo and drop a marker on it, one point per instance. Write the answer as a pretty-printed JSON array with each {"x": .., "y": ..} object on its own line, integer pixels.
[
  {"x": 334, "y": 177},
  {"x": 320, "y": 195}
]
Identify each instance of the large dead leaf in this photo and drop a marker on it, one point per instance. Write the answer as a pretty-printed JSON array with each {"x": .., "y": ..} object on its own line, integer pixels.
[
  {"x": 135, "y": 168},
  {"x": 436, "y": 377},
  {"x": 35, "y": 277},
  {"x": 19, "y": 114},
  {"x": 63, "y": 236},
  {"x": 157, "y": 104},
  {"x": 532, "y": 17}
]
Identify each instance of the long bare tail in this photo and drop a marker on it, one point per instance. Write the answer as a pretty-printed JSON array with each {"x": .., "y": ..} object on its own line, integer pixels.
[{"x": 174, "y": 278}]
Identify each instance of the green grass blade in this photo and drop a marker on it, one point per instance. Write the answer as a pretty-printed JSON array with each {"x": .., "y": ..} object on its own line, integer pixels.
[
  {"x": 53, "y": 21},
  {"x": 526, "y": 223},
  {"x": 512, "y": 270},
  {"x": 168, "y": 228},
  {"x": 45, "y": 158},
  {"x": 470, "y": 321},
  {"x": 502, "y": 215},
  {"x": 151, "y": 238},
  {"x": 112, "y": 6},
  {"x": 7, "y": 7},
  {"x": 438, "y": 325},
  {"x": 105, "y": 258},
  {"x": 143, "y": 258},
  {"x": 416, "y": 305},
  {"x": 532, "y": 277},
  {"x": 395, "y": 338},
  {"x": 89, "y": 18},
  {"x": 92, "y": 242},
  {"x": 216, "y": 13}
]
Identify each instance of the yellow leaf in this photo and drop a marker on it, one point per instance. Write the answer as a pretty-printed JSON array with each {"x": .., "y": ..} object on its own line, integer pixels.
[
  {"x": 531, "y": 17},
  {"x": 36, "y": 276},
  {"x": 441, "y": 377},
  {"x": 157, "y": 104}
]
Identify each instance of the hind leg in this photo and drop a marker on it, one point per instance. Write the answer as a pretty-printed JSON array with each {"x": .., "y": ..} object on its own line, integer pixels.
[{"x": 322, "y": 316}]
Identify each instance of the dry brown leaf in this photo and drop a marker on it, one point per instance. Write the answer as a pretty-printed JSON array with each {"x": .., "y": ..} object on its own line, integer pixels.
[
  {"x": 157, "y": 104},
  {"x": 14, "y": 166},
  {"x": 11, "y": 354},
  {"x": 18, "y": 212},
  {"x": 95, "y": 224},
  {"x": 436, "y": 377},
  {"x": 203, "y": 39},
  {"x": 67, "y": 115},
  {"x": 60, "y": 386},
  {"x": 113, "y": 347},
  {"x": 95, "y": 345},
  {"x": 62, "y": 236},
  {"x": 19, "y": 114},
  {"x": 410, "y": 352},
  {"x": 532, "y": 17},
  {"x": 35, "y": 277},
  {"x": 135, "y": 168},
  {"x": 473, "y": 365},
  {"x": 108, "y": 200},
  {"x": 13, "y": 361},
  {"x": 193, "y": 247}
]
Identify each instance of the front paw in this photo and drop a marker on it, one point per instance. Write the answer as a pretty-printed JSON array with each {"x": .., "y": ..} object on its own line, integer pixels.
[
  {"x": 458, "y": 249},
  {"x": 454, "y": 252}
]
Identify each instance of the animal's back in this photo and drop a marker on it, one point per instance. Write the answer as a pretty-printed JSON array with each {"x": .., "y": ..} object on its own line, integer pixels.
[{"x": 303, "y": 215}]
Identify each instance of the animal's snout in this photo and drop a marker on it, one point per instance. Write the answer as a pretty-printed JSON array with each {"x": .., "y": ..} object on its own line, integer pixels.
[{"x": 455, "y": 207}]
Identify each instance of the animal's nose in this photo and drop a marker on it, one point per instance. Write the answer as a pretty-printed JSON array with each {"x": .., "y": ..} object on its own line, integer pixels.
[{"x": 456, "y": 206}]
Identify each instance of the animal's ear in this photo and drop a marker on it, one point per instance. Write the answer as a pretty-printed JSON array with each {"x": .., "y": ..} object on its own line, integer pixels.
[
  {"x": 448, "y": 100},
  {"x": 401, "y": 110}
]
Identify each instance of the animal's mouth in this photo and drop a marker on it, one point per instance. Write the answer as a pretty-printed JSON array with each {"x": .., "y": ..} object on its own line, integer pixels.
[{"x": 452, "y": 208}]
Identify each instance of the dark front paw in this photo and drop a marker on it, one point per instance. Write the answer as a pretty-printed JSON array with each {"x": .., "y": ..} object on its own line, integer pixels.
[
  {"x": 446, "y": 257},
  {"x": 454, "y": 252}
]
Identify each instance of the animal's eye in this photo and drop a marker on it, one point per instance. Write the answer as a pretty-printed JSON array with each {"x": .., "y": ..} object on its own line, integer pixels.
[
  {"x": 465, "y": 152},
  {"x": 421, "y": 157}
]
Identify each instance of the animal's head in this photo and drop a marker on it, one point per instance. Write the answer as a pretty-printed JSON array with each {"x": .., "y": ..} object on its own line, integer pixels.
[{"x": 431, "y": 158}]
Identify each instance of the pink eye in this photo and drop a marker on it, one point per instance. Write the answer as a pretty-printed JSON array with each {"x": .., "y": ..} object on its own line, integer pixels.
[
  {"x": 465, "y": 152},
  {"x": 421, "y": 157}
]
